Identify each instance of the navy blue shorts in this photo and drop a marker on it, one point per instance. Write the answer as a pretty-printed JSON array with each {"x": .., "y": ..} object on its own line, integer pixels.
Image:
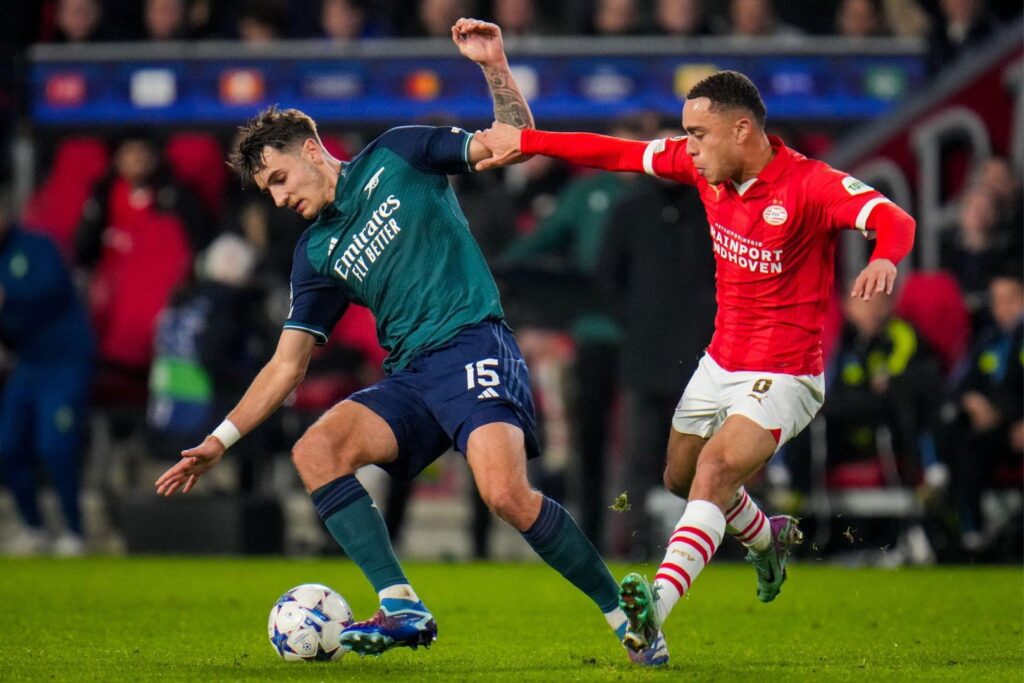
[{"x": 438, "y": 399}]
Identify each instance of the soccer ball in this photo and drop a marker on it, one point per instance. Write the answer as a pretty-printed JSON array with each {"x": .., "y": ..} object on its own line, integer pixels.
[{"x": 306, "y": 622}]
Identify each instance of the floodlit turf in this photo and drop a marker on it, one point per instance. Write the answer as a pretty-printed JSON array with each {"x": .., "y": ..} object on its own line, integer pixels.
[{"x": 205, "y": 620}]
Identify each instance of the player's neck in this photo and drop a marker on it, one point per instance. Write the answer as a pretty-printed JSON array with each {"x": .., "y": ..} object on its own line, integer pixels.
[
  {"x": 759, "y": 156},
  {"x": 333, "y": 176}
]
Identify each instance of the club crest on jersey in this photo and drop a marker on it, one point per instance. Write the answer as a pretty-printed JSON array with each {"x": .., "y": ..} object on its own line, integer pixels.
[
  {"x": 775, "y": 214},
  {"x": 854, "y": 186},
  {"x": 372, "y": 183}
]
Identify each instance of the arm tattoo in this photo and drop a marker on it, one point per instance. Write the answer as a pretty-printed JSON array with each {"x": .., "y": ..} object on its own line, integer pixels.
[{"x": 509, "y": 105}]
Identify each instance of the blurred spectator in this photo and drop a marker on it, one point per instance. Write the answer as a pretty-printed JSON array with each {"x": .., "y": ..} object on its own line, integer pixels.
[
  {"x": 906, "y": 18},
  {"x": 657, "y": 272},
  {"x": 616, "y": 18},
  {"x": 348, "y": 20},
  {"x": 757, "y": 18},
  {"x": 55, "y": 206},
  {"x": 141, "y": 175},
  {"x": 515, "y": 17},
  {"x": 202, "y": 18},
  {"x": 533, "y": 185},
  {"x": 272, "y": 232},
  {"x": 489, "y": 210},
  {"x": 680, "y": 18},
  {"x": 859, "y": 19},
  {"x": 931, "y": 301},
  {"x": 196, "y": 160},
  {"x": 975, "y": 250},
  {"x": 998, "y": 176},
  {"x": 986, "y": 425},
  {"x": 135, "y": 238},
  {"x": 883, "y": 375},
  {"x": 165, "y": 20},
  {"x": 963, "y": 25},
  {"x": 261, "y": 21},
  {"x": 81, "y": 21},
  {"x": 44, "y": 403},
  {"x": 436, "y": 17},
  {"x": 207, "y": 347}
]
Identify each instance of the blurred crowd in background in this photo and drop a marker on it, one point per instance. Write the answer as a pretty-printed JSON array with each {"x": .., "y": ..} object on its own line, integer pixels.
[
  {"x": 964, "y": 22},
  {"x": 165, "y": 282}
]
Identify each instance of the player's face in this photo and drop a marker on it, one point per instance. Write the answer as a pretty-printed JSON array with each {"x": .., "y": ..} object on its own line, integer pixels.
[
  {"x": 294, "y": 180},
  {"x": 712, "y": 140}
]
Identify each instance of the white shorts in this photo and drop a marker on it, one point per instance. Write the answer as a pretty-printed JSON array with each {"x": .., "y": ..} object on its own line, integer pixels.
[{"x": 782, "y": 404}]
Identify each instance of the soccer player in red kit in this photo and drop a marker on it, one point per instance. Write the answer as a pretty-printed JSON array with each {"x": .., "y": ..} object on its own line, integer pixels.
[{"x": 774, "y": 217}]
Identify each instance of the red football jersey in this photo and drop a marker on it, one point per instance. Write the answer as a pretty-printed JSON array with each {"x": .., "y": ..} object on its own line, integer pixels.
[{"x": 774, "y": 240}]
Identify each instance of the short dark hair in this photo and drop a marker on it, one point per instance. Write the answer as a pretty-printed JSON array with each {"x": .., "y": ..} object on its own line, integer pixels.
[
  {"x": 728, "y": 89},
  {"x": 280, "y": 129}
]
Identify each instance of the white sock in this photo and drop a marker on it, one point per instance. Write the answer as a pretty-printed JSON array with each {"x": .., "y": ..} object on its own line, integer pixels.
[
  {"x": 745, "y": 521},
  {"x": 694, "y": 541},
  {"x": 402, "y": 591},
  {"x": 616, "y": 618}
]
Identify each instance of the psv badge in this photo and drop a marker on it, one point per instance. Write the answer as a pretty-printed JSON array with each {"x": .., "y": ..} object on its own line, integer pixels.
[{"x": 775, "y": 214}]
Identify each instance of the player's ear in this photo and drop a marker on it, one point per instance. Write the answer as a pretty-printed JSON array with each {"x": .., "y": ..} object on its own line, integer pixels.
[
  {"x": 311, "y": 151},
  {"x": 742, "y": 129}
]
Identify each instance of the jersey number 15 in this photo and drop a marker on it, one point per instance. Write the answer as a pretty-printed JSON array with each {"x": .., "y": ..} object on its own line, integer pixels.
[{"x": 482, "y": 374}]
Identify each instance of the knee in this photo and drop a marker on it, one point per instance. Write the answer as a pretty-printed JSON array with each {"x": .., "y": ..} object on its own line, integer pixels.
[
  {"x": 511, "y": 505},
  {"x": 317, "y": 448},
  {"x": 676, "y": 484},
  {"x": 715, "y": 477}
]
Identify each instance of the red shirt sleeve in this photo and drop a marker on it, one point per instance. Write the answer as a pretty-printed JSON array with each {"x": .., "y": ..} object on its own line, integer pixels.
[
  {"x": 662, "y": 158},
  {"x": 894, "y": 229},
  {"x": 668, "y": 159},
  {"x": 843, "y": 202}
]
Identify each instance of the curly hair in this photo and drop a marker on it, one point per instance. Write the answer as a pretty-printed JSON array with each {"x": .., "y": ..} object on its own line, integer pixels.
[
  {"x": 279, "y": 129},
  {"x": 730, "y": 89}
]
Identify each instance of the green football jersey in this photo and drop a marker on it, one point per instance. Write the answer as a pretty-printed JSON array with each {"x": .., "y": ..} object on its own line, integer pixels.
[{"x": 395, "y": 240}]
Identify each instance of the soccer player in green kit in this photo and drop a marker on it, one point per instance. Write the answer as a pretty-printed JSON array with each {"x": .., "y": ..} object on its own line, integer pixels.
[{"x": 388, "y": 234}]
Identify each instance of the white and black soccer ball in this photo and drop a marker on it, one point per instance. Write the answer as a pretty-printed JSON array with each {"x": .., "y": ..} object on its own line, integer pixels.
[{"x": 306, "y": 622}]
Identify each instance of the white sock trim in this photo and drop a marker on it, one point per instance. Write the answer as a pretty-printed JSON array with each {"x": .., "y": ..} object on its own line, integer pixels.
[
  {"x": 616, "y": 618},
  {"x": 402, "y": 591}
]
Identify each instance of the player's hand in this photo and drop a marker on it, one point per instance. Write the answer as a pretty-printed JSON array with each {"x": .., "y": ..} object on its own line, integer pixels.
[
  {"x": 479, "y": 41},
  {"x": 503, "y": 141},
  {"x": 193, "y": 464},
  {"x": 878, "y": 276}
]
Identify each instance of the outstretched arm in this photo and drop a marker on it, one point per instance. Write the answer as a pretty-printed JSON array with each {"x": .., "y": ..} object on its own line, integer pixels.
[
  {"x": 268, "y": 390},
  {"x": 481, "y": 42},
  {"x": 585, "y": 149}
]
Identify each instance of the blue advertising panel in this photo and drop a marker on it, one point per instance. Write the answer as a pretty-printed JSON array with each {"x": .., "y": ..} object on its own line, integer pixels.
[{"x": 121, "y": 85}]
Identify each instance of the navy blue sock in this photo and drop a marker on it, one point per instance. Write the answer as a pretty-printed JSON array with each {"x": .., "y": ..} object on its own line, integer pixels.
[
  {"x": 354, "y": 522},
  {"x": 557, "y": 538}
]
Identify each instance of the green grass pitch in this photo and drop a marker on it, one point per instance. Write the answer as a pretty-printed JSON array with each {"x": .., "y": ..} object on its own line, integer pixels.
[{"x": 110, "y": 619}]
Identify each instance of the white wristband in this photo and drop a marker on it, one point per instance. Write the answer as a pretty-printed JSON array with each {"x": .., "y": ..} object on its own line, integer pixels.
[{"x": 227, "y": 433}]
